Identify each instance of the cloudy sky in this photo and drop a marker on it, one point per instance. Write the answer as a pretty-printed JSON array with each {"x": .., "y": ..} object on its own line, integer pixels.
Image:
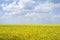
[{"x": 29, "y": 11}]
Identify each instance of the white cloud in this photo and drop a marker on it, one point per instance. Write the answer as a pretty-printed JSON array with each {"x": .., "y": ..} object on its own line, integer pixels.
[
  {"x": 12, "y": 6},
  {"x": 45, "y": 7},
  {"x": 56, "y": 16}
]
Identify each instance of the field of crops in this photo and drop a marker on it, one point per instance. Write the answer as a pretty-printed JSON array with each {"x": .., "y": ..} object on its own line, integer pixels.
[{"x": 29, "y": 32}]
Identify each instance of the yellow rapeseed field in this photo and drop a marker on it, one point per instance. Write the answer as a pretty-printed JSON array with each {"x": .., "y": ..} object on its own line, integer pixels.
[{"x": 29, "y": 31}]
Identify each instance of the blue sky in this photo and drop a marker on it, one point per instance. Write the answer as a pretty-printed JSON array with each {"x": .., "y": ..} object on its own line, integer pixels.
[{"x": 29, "y": 11}]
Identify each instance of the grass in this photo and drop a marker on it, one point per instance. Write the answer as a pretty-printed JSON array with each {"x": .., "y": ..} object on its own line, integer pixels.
[{"x": 29, "y": 32}]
